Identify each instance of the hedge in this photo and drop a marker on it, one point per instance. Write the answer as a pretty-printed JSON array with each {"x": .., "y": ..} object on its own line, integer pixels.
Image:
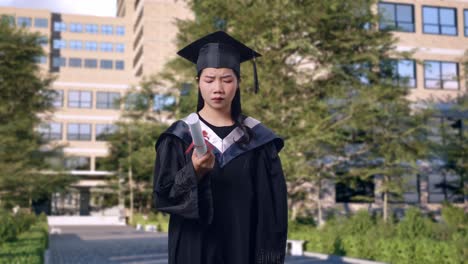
[{"x": 416, "y": 239}]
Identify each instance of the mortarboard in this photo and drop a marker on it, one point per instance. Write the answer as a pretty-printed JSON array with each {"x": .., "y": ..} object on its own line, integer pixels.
[{"x": 219, "y": 50}]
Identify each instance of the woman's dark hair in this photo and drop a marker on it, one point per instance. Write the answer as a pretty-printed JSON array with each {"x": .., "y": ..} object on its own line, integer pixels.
[{"x": 236, "y": 112}]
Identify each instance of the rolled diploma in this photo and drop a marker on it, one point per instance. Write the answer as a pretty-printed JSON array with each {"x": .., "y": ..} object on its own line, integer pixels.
[{"x": 197, "y": 136}]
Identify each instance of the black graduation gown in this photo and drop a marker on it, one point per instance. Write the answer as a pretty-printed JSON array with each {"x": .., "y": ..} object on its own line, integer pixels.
[{"x": 237, "y": 214}]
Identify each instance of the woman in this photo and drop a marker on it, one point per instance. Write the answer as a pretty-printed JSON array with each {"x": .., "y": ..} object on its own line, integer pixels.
[{"x": 230, "y": 205}]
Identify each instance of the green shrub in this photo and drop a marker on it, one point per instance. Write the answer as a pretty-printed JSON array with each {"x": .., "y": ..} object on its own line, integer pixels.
[
  {"x": 8, "y": 229},
  {"x": 414, "y": 225},
  {"x": 395, "y": 250},
  {"x": 23, "y": 221},
  {"x": 359, "y": 224},
  {"x": 28, "y": 248},
  {"x": 454, "y": 217},
  {"x": 306, "y": 220}
]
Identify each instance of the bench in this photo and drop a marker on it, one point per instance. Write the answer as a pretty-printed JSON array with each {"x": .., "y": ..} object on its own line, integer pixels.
[{"x": 295, "y": 247}]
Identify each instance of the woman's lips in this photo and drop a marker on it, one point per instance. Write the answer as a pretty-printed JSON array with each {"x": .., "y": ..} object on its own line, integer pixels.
[{"x": 217, "y": 99}]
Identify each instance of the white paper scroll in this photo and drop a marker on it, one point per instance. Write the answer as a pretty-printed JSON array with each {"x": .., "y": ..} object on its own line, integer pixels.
[{"x": 197, "y": 136}]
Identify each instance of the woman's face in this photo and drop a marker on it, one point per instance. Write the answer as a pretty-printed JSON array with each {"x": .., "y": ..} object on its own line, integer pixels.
[{"x": 218, "y": 88}]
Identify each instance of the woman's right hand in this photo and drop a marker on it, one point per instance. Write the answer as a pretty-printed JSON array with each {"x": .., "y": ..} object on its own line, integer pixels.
[{"x": 203, "y": 164}]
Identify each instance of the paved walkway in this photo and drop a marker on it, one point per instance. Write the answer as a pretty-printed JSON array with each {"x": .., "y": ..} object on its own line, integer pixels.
[{"x": 113, "y": 244}]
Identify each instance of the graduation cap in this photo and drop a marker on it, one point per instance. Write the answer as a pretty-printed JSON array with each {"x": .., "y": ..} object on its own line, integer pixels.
[{"x": 219, "y": 50}]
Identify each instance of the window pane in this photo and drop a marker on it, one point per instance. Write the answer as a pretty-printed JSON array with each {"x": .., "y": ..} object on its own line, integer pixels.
[
  {"x": 447, "y": 16},
  {"x": 58, "y": 98},
  {"x": 432, "y": 70},
  {"x": 119, "y": 65},
  {"x": 431, "y": 29},
  {"x": 450, "y": 85},
  {"x": 407, "y": 27},
  {"x": 41, "y": 22},
  {"x": 448, "y": 30},
  {"x": 406, "y": 68},
  {"x": 404, "y": 13},
  {"x": 75, "y": 62},
  {"x": 430, "y": 15},
  {"x": 387, "y": 12},
  {"x": 106, "y": 64},
  {"x": 449, "y": 71},
  {"x": 86, "y": 99},
  {"x": 90, "y": 63},
  {"x": 24, "y": 21}
]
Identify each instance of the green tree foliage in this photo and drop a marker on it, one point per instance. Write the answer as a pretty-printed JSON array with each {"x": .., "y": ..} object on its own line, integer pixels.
[
  {"x": 25, "y": 94},
  {"x": 322, "y": 86},
  {"x": 132, "y": 146}
]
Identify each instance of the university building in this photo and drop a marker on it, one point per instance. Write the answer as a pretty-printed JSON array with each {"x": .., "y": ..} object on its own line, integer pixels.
[
  {"x": 436, "y": 31},
  {"x": 98, "y": 59}
]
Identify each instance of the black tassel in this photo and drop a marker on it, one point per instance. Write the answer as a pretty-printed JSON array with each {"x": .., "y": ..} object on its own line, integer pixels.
[{"x": 255, "y": 75}]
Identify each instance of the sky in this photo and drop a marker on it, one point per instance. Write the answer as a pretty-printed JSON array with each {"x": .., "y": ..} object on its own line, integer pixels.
[{"x": 82, "y": 7}]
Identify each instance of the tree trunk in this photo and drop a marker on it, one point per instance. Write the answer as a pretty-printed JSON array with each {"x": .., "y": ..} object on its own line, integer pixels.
[
  {"x": 294, "y": 211},
  {"x": 130, "y": 174},
  {"x": 385, "y": 207},
  {"x": 319, "y": 204},
  {"x": 30, "y": 203}
]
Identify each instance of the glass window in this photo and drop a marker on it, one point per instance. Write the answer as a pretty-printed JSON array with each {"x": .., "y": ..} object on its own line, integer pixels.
[
  {"x": 398, "y": 17},
  {"x": 439, "y": 20},
  {"x": 51, "y": 131},
  {"x": 74, "y": 62},
  {"x": 24, "y": 21},
  {"x": 92, "y": 28},
  {"x": 106, "y": 47},
  {"x": 135, "y": 101},
  {"x": 58, "y": 62},
  {"x": 41, "y": 59},
  {"x": 91, "y": 45},
  {"x": 354, "y": 190},
  {"x": 106, "y": 64},
  {"x": 466, "y": 22},
  {"x": 8, "y": 19},
  {"x": 120, "y": 30},
  {"x": 441, "y": 75},
  {"x": 41, "y": 22},
  {"x": 107, "y": 100},
  {"x": 90, "y": 63},
  {"x": 76, "y": 27},
  {"x": 107, "y": 29},
  {"x": 163, "y": 102},
  {"x": 78, "y": 163},
  {"x": 43, "y": 41},
  {"x": 402, "y": 72},
  {"x": 410, "y": 191},
  {"x": 80, "y": 99},
  {"x": 119, "y": 65},
  {"x": 76, "y": 44},
  {"x": 103, "y": 131},
  {"x": 57, "y": 98},
  {"x": 445, "y": 187},
  {"x": 59, "y": 43},
  {"x": 60, "y": 26},
  {"x": 79, "y": 132},
  {"x": 119, "y": 47}
]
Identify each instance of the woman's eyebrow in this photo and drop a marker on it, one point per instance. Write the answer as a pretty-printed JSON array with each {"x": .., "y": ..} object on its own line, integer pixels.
[{"x": 226, "y": 76}]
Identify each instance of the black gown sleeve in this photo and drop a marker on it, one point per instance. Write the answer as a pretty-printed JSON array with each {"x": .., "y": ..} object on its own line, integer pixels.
[
  {"x": 175, "y": 189},
  {"x": 272, "y": 218}
]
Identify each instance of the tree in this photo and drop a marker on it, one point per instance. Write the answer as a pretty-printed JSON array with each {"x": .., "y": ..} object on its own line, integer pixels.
[
  {"x": 321, "y": 84},
  {"x": 25, "y": 94},
  {"x": 132, "y": 144}
]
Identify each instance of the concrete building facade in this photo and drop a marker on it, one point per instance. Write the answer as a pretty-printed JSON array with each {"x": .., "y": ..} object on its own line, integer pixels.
[{"x": 96, "y": 61}]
